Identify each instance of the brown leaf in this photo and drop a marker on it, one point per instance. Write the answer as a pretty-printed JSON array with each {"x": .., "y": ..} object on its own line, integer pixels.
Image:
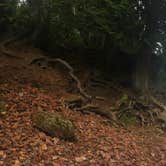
[
  {"x": 56, "y": 164},
  {"x": 80, "y": 159},
  {"x": 43, "y": 147},
  {"x": 17, "y": 163},
  {"x": 2, "y": 154}
]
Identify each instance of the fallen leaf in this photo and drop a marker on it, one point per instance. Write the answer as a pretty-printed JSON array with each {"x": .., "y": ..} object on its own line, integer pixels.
[
  {"x": 56, "y": 164},
  {"x": 21, "y": 94},
  {"x": 17, "y": 163},
  {"x": 55, "y": 140},
  {"x": 43, "y": 147},
  {"x": 80, "y": 159}
]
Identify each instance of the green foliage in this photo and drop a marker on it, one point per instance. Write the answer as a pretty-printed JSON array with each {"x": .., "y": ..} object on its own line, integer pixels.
[
  {"x": 128, "y": 119},
  {"x": 8, "y": 9},
  {"x": 99, "y": 20},
  {"x": 83, "y": 23},
  {"x": 124, "y": 98},
  {"x": 2, "y": 108},
  {"x": 97, "y": 24}
]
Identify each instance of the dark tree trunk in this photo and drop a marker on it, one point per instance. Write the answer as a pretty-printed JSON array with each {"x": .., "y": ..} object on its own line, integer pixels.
[{"x": 142, "y": 72}]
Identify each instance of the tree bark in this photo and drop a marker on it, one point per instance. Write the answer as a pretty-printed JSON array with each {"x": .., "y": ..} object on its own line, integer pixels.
[{"x": 142, "y": 72}]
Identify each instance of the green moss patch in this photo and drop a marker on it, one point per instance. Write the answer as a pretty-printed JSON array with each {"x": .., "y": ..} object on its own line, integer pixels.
[
  {"x": 128, "y": 119},
  {"x": 2, "y": 108},
  {"x": 54, "y": 125}
]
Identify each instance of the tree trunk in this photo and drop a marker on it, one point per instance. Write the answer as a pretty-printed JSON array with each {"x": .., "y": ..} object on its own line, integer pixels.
[{"x": 142, "y": 72}]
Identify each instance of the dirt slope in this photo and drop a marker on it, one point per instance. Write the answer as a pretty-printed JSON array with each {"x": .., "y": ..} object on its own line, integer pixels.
[{"x": 27, "y": 88}]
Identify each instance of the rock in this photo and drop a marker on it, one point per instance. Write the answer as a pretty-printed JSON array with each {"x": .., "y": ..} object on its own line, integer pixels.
[{"x": 54, "y": 125}]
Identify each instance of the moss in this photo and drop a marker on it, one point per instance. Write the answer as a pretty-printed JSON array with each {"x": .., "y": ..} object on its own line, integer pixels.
[
  {"x": 128, "y": 119},
  {"x": 124, "y": 98},
  {"x": 2, "y": 108},
  {"x": 1, "y": 94},
  {"x": 36, "y": 84},
  {"x": 54, "y": 125}
]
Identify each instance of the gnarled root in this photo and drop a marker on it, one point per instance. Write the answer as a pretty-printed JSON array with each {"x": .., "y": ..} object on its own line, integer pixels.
[
  {"x": 75, "y": 78},
  {"x": 157, "y": 103},
  {"x": 4, "y": 50},
  {"x": 70, "y": 72}
]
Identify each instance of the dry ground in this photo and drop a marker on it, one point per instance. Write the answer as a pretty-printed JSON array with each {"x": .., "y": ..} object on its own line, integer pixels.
[{"x": 26, "y": 89}]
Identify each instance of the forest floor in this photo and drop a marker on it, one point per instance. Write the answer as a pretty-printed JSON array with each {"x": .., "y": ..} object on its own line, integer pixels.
[{"x": 27, "y": 88}]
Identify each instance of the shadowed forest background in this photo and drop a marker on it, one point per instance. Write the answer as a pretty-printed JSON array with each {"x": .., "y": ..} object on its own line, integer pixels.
[
  {"x": 82, "y": 82},
  {"x": 111, "y": 30},
  {"x": 119, "y": 36}
]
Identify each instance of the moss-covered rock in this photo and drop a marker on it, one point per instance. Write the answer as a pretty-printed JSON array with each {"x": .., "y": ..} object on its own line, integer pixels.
[{"x": 54, "y": 125}]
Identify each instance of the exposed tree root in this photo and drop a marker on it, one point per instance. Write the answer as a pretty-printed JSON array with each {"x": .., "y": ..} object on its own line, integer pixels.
[
  {"x": 142, "y": 111},
  {"x": 75, "y": 78},
  {"x": 4, "y": 50},
  {"x": 157, "y": 103},
  {"x": 100, "y": 111},
  {"x": 70, "y": 71},
  {"x": 97, "y": 110},
  {"x": 7, "y": 52}
]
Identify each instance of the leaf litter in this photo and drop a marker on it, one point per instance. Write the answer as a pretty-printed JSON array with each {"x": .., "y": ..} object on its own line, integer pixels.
[{"x": 98, "y": 144}]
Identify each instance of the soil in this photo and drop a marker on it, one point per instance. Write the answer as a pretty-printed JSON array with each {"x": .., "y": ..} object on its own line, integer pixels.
[{"x": 28, "y": 88}]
